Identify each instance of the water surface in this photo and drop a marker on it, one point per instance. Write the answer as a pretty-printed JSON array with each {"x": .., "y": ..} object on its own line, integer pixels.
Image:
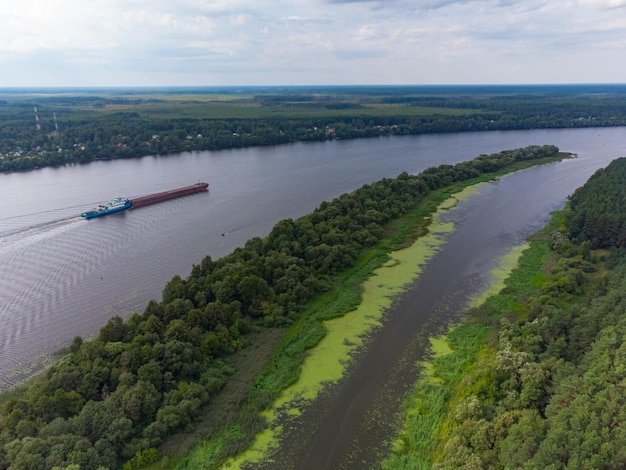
[
  {"x": 61, "y": 276},
  {"x": 352, "y": 424}
]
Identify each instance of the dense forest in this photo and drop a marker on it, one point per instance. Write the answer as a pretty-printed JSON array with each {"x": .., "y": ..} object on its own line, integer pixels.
[
  {"x": 535, "y": 378},
  {"x": 105, "y": 124},
  {"x": 111, "y": 401}
]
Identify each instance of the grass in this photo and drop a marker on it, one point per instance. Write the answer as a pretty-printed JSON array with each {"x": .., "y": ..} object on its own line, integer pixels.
[
  {"x": 461, "y": 364},
  {"x": 243, "y": 106},
  {"x": 246, "y": 110}
]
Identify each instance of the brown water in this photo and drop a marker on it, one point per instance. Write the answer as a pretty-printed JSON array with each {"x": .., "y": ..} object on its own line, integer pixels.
[{"x": 61, "y": 276}]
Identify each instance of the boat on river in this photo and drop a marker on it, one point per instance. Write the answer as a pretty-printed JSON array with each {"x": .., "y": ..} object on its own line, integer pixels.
[
  {"x": 122, "y": 203},
  {"x": 116, "y": 205}
]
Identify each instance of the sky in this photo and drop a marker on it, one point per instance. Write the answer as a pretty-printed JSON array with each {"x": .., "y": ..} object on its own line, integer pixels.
[{"x": 310, "y": 42}]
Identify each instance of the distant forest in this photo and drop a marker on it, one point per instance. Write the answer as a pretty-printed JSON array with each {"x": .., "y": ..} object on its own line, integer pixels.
[{"x": 53, "y": 127}]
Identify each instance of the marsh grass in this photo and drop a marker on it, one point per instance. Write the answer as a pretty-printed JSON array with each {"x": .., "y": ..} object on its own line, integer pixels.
[{"x": 466, "y": 368}]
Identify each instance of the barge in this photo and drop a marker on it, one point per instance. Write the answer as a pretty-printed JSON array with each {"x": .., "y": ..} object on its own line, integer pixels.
[
  {"x": 171, "y": 194},
  {"x": 120, "y": 203}
]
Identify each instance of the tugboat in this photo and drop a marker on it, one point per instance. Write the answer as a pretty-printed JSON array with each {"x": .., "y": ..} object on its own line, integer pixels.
[{"x": 116, "y": 205}]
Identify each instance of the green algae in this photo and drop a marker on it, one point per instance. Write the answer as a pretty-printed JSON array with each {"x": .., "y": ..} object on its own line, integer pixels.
[
  {"x": 462, "y": 195},
  {"x": 439, "y": 347},
  {"x": 326, "y": 364},
  {"x": 506, "y": 264}
]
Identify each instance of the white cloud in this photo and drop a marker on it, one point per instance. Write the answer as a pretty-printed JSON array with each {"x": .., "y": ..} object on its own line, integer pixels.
[
  {"x": 216, "y": 42},
  {"x": 240, "y": 19},
  {"x": 605, "y": 4},
  {"x": 366, "y": 32}
]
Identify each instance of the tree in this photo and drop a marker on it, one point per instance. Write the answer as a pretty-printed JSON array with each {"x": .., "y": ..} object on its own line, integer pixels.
[{"x": 114, "y": 330}]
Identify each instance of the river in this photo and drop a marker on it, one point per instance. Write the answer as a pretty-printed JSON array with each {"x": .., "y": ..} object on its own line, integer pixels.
[
  {"x": 62, "y": 276},
  {"x": 351, "y": 424}
]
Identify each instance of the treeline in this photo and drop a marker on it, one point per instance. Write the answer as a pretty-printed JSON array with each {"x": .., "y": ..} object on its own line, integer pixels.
[
  {"x": 548, "y": 391},
  {"x": 115, "y": 398},
  {"x": 598, "y": 213},
  {"x": 106, "y": 128}
]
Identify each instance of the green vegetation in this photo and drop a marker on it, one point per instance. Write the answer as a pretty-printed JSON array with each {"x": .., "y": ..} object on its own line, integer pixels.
[
  {"x": 116, "y": 398},
  {"x": 106, "y": 124},
  {"x": 597, "y": 209},
  {"x": 351, "y": 312},
  {"x": 534, "y": 377}
]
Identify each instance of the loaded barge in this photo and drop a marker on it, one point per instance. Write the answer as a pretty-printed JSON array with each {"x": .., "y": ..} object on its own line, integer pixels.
[
  {"x": 121, "y": 204},
  {"x": 165, "y": 195}
]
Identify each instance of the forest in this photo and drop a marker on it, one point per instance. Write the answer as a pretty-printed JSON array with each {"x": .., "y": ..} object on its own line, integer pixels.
[
  {"x": 534, "y": 378},
  {"x": 58, "y": 127},
  {"x": 111, "y": 401}
]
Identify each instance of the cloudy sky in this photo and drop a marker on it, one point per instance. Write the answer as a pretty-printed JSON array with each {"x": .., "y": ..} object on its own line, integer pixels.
[{"x": 310, "y": 42}]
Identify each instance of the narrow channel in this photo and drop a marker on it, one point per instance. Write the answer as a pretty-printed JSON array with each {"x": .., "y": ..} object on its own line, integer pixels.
[{"x": 352, "y": 424}]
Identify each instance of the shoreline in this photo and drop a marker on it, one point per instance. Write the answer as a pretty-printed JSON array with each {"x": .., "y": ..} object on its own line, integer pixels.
[
  {"x": 463, "y": 351},
  {"x": 407, "y": 229},
  {"x": 427, "y": 394},
  {"x": 328, "y": 364}
]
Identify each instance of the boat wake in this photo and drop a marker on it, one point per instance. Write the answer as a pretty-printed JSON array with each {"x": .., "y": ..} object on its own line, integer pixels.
[
  {"x": 36, "y": 228},
  {"x": 15, "y": 240}
]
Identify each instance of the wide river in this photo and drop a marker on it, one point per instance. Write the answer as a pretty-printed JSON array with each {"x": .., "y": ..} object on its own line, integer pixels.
[{"x": 62, "y": 276}]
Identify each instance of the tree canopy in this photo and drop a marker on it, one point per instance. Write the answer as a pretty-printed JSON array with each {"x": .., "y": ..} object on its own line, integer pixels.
[{"x": 598, "y": 208}]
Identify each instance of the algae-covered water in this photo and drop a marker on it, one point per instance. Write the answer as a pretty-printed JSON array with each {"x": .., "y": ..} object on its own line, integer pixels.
[{"x": 343, "y": 412}]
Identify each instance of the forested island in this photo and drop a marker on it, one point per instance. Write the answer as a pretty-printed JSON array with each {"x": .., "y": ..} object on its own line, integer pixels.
[
  {"x": 112, "y": 401},
  {"x": 534, "y": 378},
  {"x": 52, "y": 127}
]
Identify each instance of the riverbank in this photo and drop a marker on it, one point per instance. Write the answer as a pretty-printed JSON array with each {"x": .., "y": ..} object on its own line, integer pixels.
[
  {"x": 310, "y": 332},
  {"x": 428, "y": 411},
  {"x": 159, "y": 123},
  {"x": 534, "y": 377}
]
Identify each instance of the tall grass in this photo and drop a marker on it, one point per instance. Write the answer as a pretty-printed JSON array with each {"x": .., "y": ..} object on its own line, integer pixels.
[{"x": 465, "y": 368}]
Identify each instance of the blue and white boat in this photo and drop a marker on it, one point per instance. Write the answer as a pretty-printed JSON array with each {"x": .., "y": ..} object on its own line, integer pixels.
[{"x": 116, "y": 205}]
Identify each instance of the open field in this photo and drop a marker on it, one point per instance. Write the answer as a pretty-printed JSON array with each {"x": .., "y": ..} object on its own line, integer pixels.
[{"x": 236, "y": 109}]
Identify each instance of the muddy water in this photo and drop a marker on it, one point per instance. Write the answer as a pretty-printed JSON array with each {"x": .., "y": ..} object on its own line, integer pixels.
[{"x": 351, "y": 425}]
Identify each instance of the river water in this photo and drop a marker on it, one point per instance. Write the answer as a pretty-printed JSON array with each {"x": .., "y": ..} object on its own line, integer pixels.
[
  {"x": 351, "y": 425},
  {"x": 62, "y": 276}
]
